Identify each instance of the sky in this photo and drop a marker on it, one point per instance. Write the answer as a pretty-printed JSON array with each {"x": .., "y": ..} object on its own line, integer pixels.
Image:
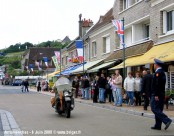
[{"x": 37, "y": 21}]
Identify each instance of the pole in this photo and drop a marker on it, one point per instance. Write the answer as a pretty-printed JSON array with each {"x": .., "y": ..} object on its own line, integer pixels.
[
  {"x": 123, "y": 44},
  {"x": 83, "y": 60},
  {"x": 60, "y": 61}
]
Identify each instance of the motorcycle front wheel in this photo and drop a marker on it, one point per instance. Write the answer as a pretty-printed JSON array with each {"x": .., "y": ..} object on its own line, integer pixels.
[{"x": 68, "y": 110}]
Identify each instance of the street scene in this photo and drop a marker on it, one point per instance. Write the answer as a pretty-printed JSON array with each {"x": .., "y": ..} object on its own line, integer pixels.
[
  {"x": 33, "y": 113},
  {"x": 88, "y": 68}
]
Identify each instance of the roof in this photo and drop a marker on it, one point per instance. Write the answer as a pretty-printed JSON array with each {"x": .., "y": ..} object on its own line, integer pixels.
[
  {"x": 38, "y": 53},
  {"x": 66, "y": 40},
  {"x": 131, "y": 51},
  {"x": 103, "y": 20}
]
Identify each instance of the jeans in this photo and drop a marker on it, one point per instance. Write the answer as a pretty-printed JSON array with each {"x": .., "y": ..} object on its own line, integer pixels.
[
  {"x": 83, "y": 93},
  {"x": 157, "y": 109},
  {"x": 101, "y": 94},
  {"x": 118, "y": 96},
  {"x": 130, "y": 97},
  {"x": 86, "y": 93},
  {"x": 115, "y": 96}
]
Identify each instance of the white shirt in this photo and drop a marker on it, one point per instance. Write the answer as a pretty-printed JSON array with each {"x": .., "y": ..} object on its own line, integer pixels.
[
  {"x": 129, "y": 84},
  {"x": 138, "y": 84}
]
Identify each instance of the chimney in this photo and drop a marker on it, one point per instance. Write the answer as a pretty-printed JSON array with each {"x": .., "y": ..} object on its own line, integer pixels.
[{"x": 80, "y": 25}]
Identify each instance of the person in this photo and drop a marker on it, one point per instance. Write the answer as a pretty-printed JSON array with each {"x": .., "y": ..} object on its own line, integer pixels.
[
  {"x": 146, "y": 87},
  {"x": 38, "y": 85},
  {"x": 137, "y": 92},
  {"x": 158, "y": 95},
  {"x": 26, "y": 84},
  {"x": 75, "y": 85},
  {"x": 129, "y": 87},
  {"x": 96, "y": 89},
  {"x": 118, "y": 85},
  {"x": 46, "y": 86},
  {"x": 101, "y": 85},
  {"x": 81, "y": 84},
  {"x": 86, "y": 87},
  {"x": 113, "y": 88},
  {"x": 108, "y": 89},
  {"x": 22, "y": 84}
]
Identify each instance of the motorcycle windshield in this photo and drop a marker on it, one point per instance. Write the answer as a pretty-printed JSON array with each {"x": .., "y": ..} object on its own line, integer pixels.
[{"x": 63, "y": 83}]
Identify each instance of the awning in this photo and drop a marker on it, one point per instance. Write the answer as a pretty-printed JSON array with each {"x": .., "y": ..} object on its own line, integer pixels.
[
  {"x": 128, "y": 62},
  {"x": 104, "y": 65},
  {"x": 164, "y": 52},
  {"x": 87, "y": 66},
  {"x": 68, "y": 70},
  {"x": 52, "y": 74}
]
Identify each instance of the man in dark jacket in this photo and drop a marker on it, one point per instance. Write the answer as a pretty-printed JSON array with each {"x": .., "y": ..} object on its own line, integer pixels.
[
  {"x": 146, "y": 87},
  {"x": 75, "y": 85},
  {"x": 26, "y": 84},
  {"x": 85, "y": 86},
  {"x": 101, "y": 85},
  {"x": 158, "y": 95}
]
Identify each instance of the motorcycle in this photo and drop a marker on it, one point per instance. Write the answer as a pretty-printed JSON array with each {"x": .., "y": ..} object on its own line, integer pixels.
[{"x": 65, "y": 101}]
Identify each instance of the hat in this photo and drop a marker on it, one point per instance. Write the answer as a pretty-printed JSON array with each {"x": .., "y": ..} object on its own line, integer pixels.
[{"x": 158, "y": 62}]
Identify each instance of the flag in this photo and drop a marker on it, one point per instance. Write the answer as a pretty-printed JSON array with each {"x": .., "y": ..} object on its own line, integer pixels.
[
  {"x": 69, "y": 60},
  {"x": 119, "y": 28},
  {"x": 31, "y": 67},
  {"x": 38, "y": 65},
  {"x": 57, "y": 53},
  {"x": 79, "y": 46},
  {"x": 54, "y": 58},
  {"x": 46, "y": 61}
]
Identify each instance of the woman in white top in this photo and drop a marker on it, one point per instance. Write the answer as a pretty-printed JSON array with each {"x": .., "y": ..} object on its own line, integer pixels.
[
  {"x": 129, "y": 86},
  {"x": 137, "y": 92}
]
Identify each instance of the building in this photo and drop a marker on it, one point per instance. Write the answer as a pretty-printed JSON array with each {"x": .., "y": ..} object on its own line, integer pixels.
[{"x": 37, "y": 54}]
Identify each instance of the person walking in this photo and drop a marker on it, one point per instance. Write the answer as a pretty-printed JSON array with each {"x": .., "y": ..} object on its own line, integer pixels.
[
  {"x": 26, "y": 84},
  {"x": 118, "y": 85},
  {"x": 96, "y": 89},
  {"x": 137, "y": 92},
  {"x": 146, "y": 87},
  {"x": 75, "y": 85},
  {"x": 101, "y": 85},
  {"x": 129, "y": 87},
  {"x": 158, "y": 95},
  {"x": 38, "y": 85}
]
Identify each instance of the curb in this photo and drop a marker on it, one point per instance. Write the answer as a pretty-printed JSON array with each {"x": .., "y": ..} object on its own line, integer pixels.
[
  {"x": 9, "y": 125},
  {"x": 117, "y": 109}
]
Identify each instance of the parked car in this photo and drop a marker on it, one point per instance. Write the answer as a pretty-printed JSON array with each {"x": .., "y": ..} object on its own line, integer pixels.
[{"x": 17, "y": 83}]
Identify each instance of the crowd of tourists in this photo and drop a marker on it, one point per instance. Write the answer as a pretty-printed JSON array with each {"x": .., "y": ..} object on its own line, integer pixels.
[{"x": 131, "y": 91}]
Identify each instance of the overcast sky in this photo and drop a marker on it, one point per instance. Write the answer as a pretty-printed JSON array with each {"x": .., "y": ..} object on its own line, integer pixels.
[{"x": 37, "y": 21}]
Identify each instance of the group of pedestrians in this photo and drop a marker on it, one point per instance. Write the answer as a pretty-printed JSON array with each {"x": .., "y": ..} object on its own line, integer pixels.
[{"x": 25, "y": 85}]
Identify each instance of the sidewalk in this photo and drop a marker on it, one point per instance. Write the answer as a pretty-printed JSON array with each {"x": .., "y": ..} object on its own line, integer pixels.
[
  {"x": 8, "y": 125},
  {"x": 137, "y": 110}
]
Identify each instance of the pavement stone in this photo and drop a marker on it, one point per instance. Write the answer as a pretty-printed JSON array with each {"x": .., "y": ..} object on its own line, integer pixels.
[{"x": 8, "y": 124}]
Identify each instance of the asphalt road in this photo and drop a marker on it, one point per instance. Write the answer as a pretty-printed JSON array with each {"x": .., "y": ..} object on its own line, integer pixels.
[{"x": 34, "y": 113}]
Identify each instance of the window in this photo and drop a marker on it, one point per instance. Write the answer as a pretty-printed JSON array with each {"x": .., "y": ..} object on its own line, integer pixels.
[
  {"x": 125, "y": 4},
  {"x": 170, "y": 80},
  {"x": 168, "y": 21},
  {"x": 106, "y": 44},
  {"x": 94, "y": 49},
  {"x": 147, "y": 31}
]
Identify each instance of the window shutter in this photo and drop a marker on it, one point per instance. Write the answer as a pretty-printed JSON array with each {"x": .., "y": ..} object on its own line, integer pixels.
[
  {"x": 107, "y": 44},
  {"x": 173, "y": 20},
  {"x": 164, "y": 22}
]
